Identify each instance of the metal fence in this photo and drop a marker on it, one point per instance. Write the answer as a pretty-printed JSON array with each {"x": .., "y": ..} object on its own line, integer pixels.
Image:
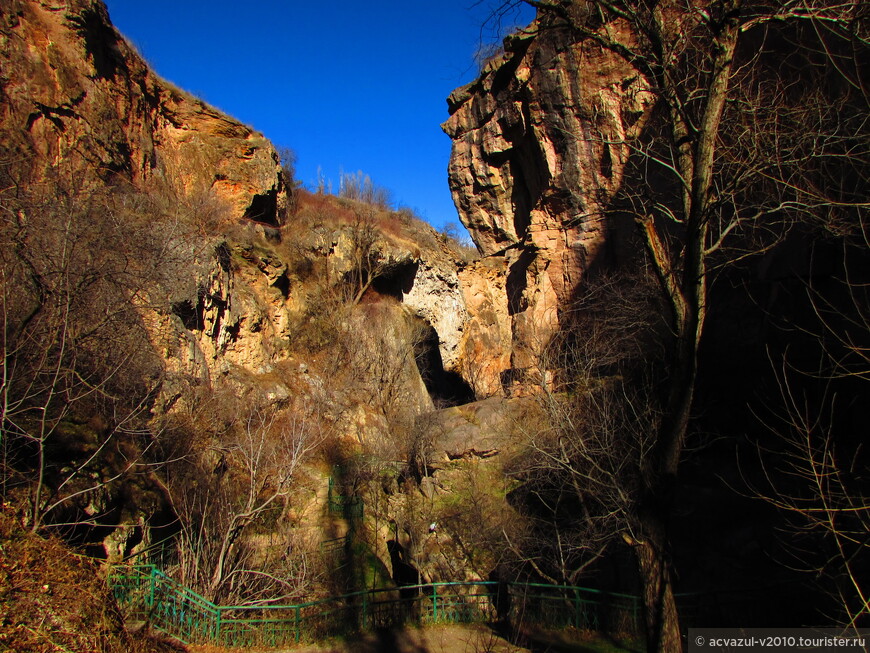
[
  {"x": 351, "y": 507},
  {"x": 149, "y": 595}
]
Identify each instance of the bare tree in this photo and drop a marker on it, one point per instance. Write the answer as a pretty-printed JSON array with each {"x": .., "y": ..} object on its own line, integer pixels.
[
  {"x": 584, "y": 448},
  {"x": 367, "y": 262},
  {"x": 358, "y": 186},
  {"x": 78, "y": 371},
  {"x": 83, "y": 267},
  {"x": 820, "y": 483},
  {"x": 240, "y": 484},
  {"x": 745, "y": 133},
  {"x": 815, "y": 471}
]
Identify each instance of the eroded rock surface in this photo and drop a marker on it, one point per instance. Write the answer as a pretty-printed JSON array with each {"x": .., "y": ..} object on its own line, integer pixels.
[
  {"x": 255, "y": 304},
  {"x": 486, "y": 339},
  {"x": 75, "y": 94},
  {"x": 540, "y": 141}
]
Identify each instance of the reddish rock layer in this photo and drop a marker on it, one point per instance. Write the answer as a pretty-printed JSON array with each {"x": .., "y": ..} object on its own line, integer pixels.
[
  {"x": 73, "y": 92},
  {"x": 540, "y": 140}
]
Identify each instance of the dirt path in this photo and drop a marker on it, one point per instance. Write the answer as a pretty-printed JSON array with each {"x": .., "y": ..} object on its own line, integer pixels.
[
  {"x": 475, "y": 638},
  {"x": 434, "y": 639}
]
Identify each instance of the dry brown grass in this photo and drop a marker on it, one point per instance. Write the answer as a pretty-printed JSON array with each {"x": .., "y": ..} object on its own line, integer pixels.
[
  {"x": 54, "y": 600},
  {"x": 319, "y": 210}
]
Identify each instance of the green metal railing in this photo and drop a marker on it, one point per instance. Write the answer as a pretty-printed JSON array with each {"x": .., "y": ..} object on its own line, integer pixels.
[
  {"x": 350, "y": 507},
  {"x": 148, "y": 594}
]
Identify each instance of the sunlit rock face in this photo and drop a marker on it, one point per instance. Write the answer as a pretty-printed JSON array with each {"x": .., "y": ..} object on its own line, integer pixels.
[
  {"x": 248, "y": 302},
  {"x": 486, "y": 340},
  {"x": 539, "y": 147},
  {"x": 74, "y": 93}
]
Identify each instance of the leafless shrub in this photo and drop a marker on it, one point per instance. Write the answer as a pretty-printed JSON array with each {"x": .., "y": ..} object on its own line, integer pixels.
[
  {"x": 815, "y": 468},
  {"x": 358, "y": 186},
  {"x": 459, "y": 242},
  {"x": 233, "y": 485},
  {"x": 80, "y": 266}
]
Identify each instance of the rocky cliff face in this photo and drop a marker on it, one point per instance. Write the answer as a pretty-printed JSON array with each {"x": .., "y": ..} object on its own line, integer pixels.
[
  {"x": 539, "y": 146},
  {"x": 361, "y": 319},
  {"x": 235, "y": 294},
  {"x": 73, "y": 91},
  {"x": 78, "y": 102}
]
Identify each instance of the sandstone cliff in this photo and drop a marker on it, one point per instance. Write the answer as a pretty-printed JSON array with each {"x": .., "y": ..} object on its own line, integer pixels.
[
  {"x": 539, "y": 146},
  {"x": 73, "y": 92},
  {"x": 358, "y": 320},
  {"x": 79, "y": 103}
]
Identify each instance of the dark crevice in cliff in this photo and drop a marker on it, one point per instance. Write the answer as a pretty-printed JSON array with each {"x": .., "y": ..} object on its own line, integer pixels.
[
  {"x": 189, "y": 314},
  {"x": 120, "y": 162},
  {"x": 220, "y": 306},
  {"x": 517, "y": 281},
  {"x": 223, "y": 256},
  {"x": 521, "y": 197},
  {"x": 264, "y": 208},
  {"x": 445, "y": 388},
  {"x": 53, "y": 114},
  {"x": 606, "y": 164},
  {"x": 101, "y": 43},
  {"x": 517, "y": 47},
  {"x": 396, "y": 280},
  {"x": 282, "y": 285},
  {"x": 404, "y": 572},
  {"x": 529, "y": 173},
  {"x": 505, "y": 75}
]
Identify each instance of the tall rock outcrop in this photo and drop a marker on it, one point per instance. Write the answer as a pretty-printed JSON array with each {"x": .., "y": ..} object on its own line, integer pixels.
[
  {"x": 73, "y": 92},
  {"x": 81, "y": 113},
  {"x": 176, "y": 213},
  {"x": 539, "y": 146}
]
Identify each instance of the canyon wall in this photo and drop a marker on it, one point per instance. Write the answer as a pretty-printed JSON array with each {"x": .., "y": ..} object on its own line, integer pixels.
[
  {"x": 361, "y": 319},
  {"x": 239, "y": 299},
  {"x": 540, "y": 141},
  {"x": 81, "y": 113},
  {"x": 74, "y": 92}
]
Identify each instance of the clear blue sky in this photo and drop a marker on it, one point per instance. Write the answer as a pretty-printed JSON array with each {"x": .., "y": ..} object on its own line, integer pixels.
[{"x": 347, "y": 85}]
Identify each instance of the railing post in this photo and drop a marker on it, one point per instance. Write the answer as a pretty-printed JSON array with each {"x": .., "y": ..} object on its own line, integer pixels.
[
  {"x": 434, "y": 603},
  {"x": 152, "y": 580},
  {"x": 297, "y": 624},
  {"x": 217, "y": 627}
]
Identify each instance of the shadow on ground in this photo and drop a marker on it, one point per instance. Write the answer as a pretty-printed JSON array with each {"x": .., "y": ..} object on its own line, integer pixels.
[{"x": 476, "y": 638}]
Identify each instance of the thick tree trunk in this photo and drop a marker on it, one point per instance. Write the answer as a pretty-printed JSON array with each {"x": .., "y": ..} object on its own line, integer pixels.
[
  {"x": 660, "y": 609},
  {"x": 683, "y": 276}
]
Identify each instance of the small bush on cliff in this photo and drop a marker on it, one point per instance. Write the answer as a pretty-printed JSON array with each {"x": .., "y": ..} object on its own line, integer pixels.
[{"x": 360, "y": 187}]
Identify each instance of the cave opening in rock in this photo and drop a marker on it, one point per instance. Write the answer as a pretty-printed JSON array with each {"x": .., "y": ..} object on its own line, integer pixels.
[
  {"x": 190, "y": 314},
  {"x": 264, "y": 208},
  {"x": 445, "y": 388},
  {"x": 396, "y": 280}
]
